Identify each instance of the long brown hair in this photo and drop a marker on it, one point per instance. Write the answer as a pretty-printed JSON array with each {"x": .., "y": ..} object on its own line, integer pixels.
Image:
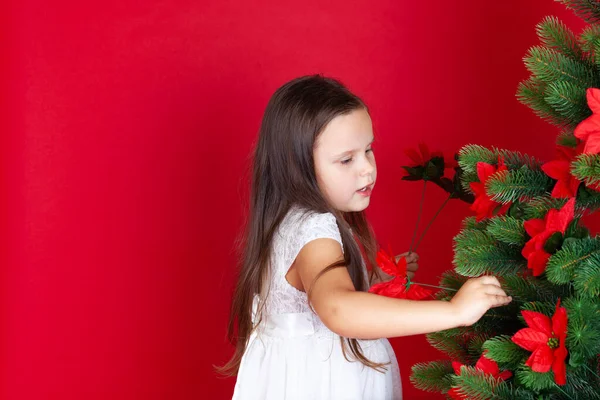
[{"x": 283, "y": 174}]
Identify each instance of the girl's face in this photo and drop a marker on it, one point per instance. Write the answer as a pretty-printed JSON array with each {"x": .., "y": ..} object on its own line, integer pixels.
[{"x": 344, "y": 161}]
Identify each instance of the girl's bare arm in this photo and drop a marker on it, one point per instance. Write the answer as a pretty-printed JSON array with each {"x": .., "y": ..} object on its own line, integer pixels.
[{"x": 368, "y": 316}]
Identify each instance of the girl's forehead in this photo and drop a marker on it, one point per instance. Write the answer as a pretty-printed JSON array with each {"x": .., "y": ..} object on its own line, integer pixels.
[{"x": 353, "y": 130}]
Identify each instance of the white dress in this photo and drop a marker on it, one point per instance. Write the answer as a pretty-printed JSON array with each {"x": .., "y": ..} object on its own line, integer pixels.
[{"x": 292, "y": 354}]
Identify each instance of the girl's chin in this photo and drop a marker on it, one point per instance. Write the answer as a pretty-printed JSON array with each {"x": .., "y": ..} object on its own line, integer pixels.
[{"x": 359, "y": 205}]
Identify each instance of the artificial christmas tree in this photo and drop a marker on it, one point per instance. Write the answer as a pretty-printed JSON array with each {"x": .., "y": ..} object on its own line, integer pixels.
[{"x": 528, "y": 231}]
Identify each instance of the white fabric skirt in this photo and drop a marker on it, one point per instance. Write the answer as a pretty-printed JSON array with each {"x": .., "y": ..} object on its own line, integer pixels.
[{"x": 288, "y": 359}]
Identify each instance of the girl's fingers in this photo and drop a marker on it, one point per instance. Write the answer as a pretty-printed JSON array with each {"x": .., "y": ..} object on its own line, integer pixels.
[
  {"x": 498, "y": 301},
  {"x": 410, "y": 257},
  {"x": 494, "y": 290},
  {"x": 489, "y": 280}
]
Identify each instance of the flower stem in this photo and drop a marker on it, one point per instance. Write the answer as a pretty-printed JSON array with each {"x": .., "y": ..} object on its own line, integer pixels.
[
  {"x": 418, "y": 217},
  {"x": 565, "y": 393},
  {"x": 432, "y": 219},
  {"x": 589, "y": 369},
  {"x": 515, "y": 298},
  {"x": 433, "y": 286}
]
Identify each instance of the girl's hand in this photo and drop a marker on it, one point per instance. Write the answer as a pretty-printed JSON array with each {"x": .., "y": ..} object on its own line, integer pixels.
[
  {"x": 476, "y": 296},
  {"x": 411, "y": 263}
]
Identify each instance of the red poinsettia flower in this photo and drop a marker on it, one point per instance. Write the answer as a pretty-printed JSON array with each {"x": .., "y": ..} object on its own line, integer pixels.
[
  {"x": 483, "y": 205},
  {"x": 397, "y": 286},
  {"x": 560, "y": 169},
  {"x": 594, "y": 186},
  {"x": 488, "y": 366},
  {"x": 589, "y": 129},
  {"x": 540, "y": 230},
  {"x": 546, "y": 339},
  {"x": 422, "y": 156}
]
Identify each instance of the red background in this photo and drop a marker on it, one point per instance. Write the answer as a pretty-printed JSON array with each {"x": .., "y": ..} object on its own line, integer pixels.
[{"x": 131, "y": 124}]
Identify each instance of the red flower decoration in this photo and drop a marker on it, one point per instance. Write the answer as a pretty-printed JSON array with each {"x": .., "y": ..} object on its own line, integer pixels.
[
  {"x": 488, "y": 366},
  {"x": 483, "y": 205},
  {"x": 540, "y": 230},
  {"x": 589, "y": 129},
  {"x": 594, "y": 186},
  {"x": 422, "y": 157},
  {"x": 546, "y": 339},
  {"x": 560, "y": 169},
  {"x": 397, "y": 286}
]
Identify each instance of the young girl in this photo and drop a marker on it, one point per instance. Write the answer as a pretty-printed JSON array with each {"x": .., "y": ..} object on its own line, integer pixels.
[{"x": 306, "y": 326}]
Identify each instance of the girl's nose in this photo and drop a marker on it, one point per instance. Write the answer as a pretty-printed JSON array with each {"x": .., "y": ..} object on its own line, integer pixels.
[{"x": 368, "y": 168}]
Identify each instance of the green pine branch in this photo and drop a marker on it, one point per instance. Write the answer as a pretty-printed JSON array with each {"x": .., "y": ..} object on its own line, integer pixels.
[
  {"x": 505, "y": 352},
  {"x": 566, "y": 138},
  {"x": 517, "y": 160},
  {"x": 573, "y": 256},
  {"x": 569, "y": 100},
  {"x": 512, "y": 186},
  {"x": 450, "y": 343},
  {"x": 587, "y": 279},
  {"x": 588, "y": 200},
  {"x": 579, "y": 387},
  {"x": 586, "y": 167},
  {"x": 472, "y": 223},
  {"x": 434, "y": 376},
  {"x": 492, "y": 261},
  {"x": 590, "y": 42},
  {"x": 538, "y": 207},
  {"x": 477, "y": 252},
  {"x": 562, "y": 68},
  {"x": 549, "y": 65},
  {"x": 470, "y": 238},
  {"x": 543, "y": 307},
  {"x": 470, "y": 155},
  {"x": 475, "y": 345},
  {"x": 532, "y": 93},
  {"x": 588, "y": 10},
  {"x": 583, "y": 339},
  {"x": 453, "y": 281},
  {"x": 529, "y": 288},
  {"x": 508, "y": 230},
  {"x": 476, "y": 385},
  {"x": 553, "y": 33},
  {"x": 536, "y": 381}
]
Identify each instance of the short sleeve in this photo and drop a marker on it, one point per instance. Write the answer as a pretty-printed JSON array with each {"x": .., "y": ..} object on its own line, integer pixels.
[{"x": 308, "y": 227}]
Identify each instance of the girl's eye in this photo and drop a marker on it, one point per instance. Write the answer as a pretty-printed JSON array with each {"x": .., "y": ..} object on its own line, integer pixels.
[
  {"x": 346, "y": 161},
  {"x": 369, "y": 150}
]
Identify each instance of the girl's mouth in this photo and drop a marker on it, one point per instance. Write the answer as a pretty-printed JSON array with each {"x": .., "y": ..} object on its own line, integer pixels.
[{"x": 366, "y": 191}]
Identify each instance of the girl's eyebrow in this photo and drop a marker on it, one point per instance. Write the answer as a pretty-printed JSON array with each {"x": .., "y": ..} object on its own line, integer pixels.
[{"x": 353, "y": 151}]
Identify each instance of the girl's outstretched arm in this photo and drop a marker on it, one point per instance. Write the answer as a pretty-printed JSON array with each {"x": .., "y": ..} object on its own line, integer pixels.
[{"x": 364, "y": 315}]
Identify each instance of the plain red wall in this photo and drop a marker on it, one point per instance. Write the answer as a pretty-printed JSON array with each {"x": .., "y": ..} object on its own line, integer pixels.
[{"x": 131, "y": 125}]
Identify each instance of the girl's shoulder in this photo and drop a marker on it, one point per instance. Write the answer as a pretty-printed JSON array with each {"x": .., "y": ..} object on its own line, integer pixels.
[
  {"x": 301, "y": 217},
  {"x": 303, "y": 225}
]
